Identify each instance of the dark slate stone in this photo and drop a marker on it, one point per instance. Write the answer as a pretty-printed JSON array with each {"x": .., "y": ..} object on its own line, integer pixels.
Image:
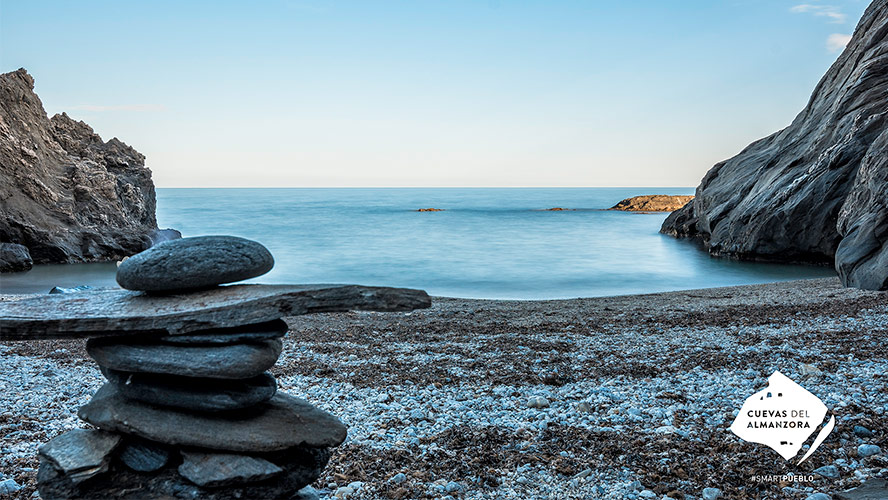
[
  {"x": 301, "y": 467},
  {"x": 225, "y": 469},
  {"x": 280, "y": 423},
  {"x": 232, "y": 361},
  {"x": 199, "y": 394},
  {"x": 80, "y": 454},
  {"x": 193, "y": 263},
  {"x": 103, "y": 312},
  {"x": 144, "y": 456},
  {"x": 261, "y": 331}
]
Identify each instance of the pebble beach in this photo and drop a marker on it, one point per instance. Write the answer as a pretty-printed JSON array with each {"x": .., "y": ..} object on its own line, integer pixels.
[{"x": 611, "y": 397}]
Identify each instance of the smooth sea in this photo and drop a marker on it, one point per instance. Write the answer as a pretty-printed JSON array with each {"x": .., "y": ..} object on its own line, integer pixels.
[{"x": 490, "y": 243}]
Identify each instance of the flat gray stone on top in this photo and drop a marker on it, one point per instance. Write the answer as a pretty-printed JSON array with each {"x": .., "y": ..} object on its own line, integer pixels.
[
  {"x": 282, "y": 422},
  {"x": 260, "y": 331},
  {"x": 227, "y": 361},
  {"x": 110, "y": 312},
  {"x": 192, "y": 263},
  {"x": 194, "y": 393},
  {"x": 81, "y": 453},
  {"x": 224, "y": 469}
]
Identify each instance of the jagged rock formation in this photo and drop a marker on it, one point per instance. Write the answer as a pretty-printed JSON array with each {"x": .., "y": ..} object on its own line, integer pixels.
[
  {"x": 817, "y": 190},
  {"x": 652, "y": 203},
  {"x": 64, "y": 193}
]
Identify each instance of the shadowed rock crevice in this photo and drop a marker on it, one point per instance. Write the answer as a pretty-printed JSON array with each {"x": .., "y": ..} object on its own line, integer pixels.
[{"x": 815, "y": 191}]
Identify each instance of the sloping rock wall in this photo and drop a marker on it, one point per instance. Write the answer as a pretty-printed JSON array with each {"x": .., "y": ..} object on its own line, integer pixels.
[{"x": 816, "y": 190}]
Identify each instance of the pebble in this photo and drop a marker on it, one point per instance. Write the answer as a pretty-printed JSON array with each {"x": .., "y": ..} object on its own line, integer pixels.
[
  {"x": 452, "y": 486},
  {"x": 868, "y": 450},
  {"x": 861, "y": 431},
  {"x": 9, "y": 486},
  {"x": 343, "y": 492},
  {"x": 830, "y": 471},
  {"x": 711, "y": 493},
  {"x": 582, "y": 474},
  {"x": 807, "y": 370},
  {"x": 647, "y": 494},
  {"x": 818, "y": 496},
  {"x": 537, "y": 402},
  {"x": 398, "y": 478}
]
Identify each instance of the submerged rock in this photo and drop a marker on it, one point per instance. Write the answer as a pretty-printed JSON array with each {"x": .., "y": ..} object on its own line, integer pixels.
[
  {"x": 193, "y": 263},
  {"x": 816, "y": 190},
  {"x": 280, "y": 423},
  {"x": 652, "y": 203},
  {"x": 231, "y": 361}
]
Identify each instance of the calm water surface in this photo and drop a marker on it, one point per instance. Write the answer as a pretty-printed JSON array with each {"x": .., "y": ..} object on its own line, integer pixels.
[{"x": 488, "y": 243}]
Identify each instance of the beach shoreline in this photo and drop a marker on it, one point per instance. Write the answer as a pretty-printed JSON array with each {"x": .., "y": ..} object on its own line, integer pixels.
[{"x": 637, "y": 388}]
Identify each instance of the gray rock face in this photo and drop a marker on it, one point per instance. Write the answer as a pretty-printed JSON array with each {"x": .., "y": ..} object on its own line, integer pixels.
[
  {"x": 193, "y": 263},
  {"x": 104, "y": 312},
  {"x": 862, "y": 255},
  {"x": 301, "y": 466},
  {"x": 194, "y": 393},
  {"x": 67, "y": 195},
  {"x": 816, "y": 190},
  {"x": 224, "y": 469},
  {"x": 282, "y": 422},
  {"x": 232, "y": 361},
  {"x": 144, "y": 456},
  {"x": 248, "y": 333},
  {"x": 14, "y": 258},
  {"x": 80, "y": 454}
]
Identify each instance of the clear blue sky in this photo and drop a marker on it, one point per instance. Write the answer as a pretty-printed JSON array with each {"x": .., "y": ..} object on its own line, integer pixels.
[{"x": 428, "y": 93}]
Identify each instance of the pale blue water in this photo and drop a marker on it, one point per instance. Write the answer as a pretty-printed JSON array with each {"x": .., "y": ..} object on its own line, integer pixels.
[{"x": 489, "y": 243}]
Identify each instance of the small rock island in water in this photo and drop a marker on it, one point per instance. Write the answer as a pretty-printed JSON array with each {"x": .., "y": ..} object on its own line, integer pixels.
[{"x": 652, "y": 203}]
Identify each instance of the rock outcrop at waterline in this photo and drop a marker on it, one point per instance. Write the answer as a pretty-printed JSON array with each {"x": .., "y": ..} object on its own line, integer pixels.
[
  {"x": 652, "y": 203},
  {"x": 65, "y": 194},
  {"x": 817, "y": 190}
]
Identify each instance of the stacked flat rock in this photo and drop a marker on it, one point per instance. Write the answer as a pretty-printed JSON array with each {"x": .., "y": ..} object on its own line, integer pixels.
[{"x": 190, "y": 414}]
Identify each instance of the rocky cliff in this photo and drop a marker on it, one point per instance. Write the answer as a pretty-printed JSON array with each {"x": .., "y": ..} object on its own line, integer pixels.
[
  {"x": 817, "y": 190},
  {"x": 65, "y": 194}
]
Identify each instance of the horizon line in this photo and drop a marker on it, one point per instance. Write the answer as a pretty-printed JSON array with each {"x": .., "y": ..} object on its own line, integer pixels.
[{"x": 424, "y": 187}]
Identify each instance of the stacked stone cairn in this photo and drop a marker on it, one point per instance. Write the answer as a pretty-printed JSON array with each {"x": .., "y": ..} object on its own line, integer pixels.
[{"x": 192, "y": 415}]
